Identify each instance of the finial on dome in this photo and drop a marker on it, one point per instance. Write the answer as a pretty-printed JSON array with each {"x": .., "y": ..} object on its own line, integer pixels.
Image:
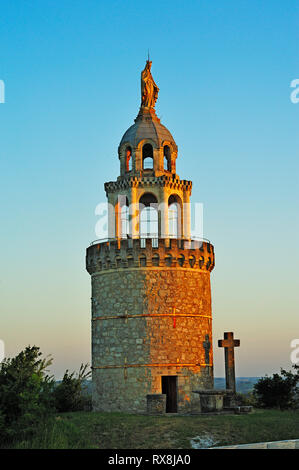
[{"x": 149, "y": 89}]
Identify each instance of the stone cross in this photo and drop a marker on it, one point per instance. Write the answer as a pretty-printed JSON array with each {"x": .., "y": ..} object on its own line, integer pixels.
[
  {"x": 229, "y": 343},
  {"x": 207, "y": 347}
]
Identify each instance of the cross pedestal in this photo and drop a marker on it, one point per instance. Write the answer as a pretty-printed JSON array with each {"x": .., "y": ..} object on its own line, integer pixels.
[{"x": 229, "y": 343}]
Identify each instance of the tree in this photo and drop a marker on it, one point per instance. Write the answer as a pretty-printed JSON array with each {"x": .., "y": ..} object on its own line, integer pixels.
[
  {"x": 69, "y": 394},
  {"x": 25, "y": 393},
  {"x": 279, "y": 391}
]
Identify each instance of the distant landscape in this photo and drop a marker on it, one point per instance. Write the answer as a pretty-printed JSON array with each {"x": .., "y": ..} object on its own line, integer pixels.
[{"x": 243, "y": 384}]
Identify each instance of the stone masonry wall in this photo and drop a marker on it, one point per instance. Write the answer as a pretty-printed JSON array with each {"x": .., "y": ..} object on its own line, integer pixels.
[
  {"x": 136, "y": 338},
  {"x": 149, "y": 341}
]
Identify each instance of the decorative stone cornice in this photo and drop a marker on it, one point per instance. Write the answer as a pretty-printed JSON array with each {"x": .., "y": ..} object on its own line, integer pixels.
[
  {"x": 138, "y": 253},
  {"x": 173, "y": 182}
]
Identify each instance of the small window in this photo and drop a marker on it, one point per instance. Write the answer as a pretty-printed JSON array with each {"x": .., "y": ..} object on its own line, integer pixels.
[
  {"x": 147, "y": 157},
  {"x": 167, "y": 159},
  {"x": 128, "y": 159}
]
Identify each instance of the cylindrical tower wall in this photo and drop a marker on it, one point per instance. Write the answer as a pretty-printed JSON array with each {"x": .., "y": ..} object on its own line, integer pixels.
[{"x": 137, "y": 336}]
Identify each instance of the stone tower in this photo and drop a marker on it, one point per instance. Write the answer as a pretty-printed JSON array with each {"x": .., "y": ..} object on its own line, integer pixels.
[{"x": 151, "y": 295}]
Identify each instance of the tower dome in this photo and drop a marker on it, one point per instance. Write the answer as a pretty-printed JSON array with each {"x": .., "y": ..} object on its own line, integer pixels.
[
  {"x": 147, "y": 126},
  {"x": 147, "y": 146}
]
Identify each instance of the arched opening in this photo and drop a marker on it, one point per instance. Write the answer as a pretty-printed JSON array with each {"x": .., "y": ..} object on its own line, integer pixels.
[
  {"x": 209, "y": 263},
  {"x": 142, "y": 261},
  {"x": 181, "y": 260},
  {"x": 128, "y": 159},
  {"x": 130, "y": 261},
  {"x": 122, "y": 216},
  {"x": 125, "y": 229},
  {"x": 147, "y": 157},
  {"x": 174, "y": 216},
  {"x": 148, "y": 210},
  {"x": 167, "y": 160},
  {"x": 192, "y": 261},
  {"x": 168, "y": 260},
  {"x": 155, "y": 260}
]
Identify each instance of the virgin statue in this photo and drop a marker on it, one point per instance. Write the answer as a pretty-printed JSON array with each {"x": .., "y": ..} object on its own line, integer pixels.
[{"x": 149, "y": 90}]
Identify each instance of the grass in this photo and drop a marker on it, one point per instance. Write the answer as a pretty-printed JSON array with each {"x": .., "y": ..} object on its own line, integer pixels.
[{"x": 87, "y": 430}]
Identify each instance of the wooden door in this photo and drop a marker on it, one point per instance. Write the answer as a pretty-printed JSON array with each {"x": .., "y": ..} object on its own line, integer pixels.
[{"x": 169, "y": 387}]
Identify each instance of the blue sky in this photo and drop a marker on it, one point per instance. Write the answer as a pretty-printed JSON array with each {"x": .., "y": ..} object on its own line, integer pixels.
[{"x": 72, "y": 88}]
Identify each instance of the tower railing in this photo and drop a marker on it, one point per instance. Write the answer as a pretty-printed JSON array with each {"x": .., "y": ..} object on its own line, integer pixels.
[{"x": 191, "y": 242}]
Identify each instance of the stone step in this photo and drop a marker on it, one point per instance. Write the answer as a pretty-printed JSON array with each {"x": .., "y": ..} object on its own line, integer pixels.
[{"x": 287, "y": 444}]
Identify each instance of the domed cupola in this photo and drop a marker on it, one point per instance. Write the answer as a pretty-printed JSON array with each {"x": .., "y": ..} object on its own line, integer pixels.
[{"x": 147, "y": 147}]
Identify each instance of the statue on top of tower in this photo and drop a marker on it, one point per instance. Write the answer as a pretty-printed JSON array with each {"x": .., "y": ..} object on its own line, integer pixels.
[{"x": 149, "y": 89}]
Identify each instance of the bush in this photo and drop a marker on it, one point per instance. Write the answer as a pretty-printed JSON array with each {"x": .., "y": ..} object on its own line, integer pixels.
[
  {"x": 279, "y": 391},
  {"x": 26, "y": 396},
  {"x": 70, "y": 395}
]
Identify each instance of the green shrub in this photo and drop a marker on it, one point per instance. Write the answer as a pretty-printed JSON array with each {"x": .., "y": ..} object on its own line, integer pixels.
[
  {"x": 279, "y": 391},
  {"x": 70, "y": 395},
  {"x": 26, "y": 396}
]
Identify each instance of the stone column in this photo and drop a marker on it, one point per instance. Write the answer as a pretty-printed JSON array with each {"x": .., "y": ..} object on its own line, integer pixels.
[
  {"x": 163, "y": 210},
  {"x": 111, "y": 216},
  {"x": 122, "y": 163},
  {"x": 117, "y": 219},
  {"x": 138, "y": 160},
  {"x": 134, "y": 214},
  {"x": 156, "y": 158},
  {"x": 173, "y": 162},
  {"x": 186, "y": 215}
]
